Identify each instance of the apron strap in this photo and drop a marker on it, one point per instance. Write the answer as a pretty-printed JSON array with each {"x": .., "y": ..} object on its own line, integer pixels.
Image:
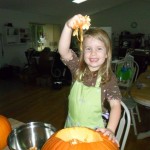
[{"x": 98, "y": 81}]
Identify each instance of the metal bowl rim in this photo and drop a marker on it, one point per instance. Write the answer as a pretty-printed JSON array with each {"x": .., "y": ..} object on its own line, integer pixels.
[
  {"x": 29, "y": 124},
  {"x": 47, "y": 125}
]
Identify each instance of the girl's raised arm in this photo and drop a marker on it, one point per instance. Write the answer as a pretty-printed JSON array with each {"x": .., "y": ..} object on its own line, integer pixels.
[{"x": 65, "y": 38}]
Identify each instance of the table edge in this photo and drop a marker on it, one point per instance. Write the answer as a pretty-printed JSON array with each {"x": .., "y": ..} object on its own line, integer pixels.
[{"x": 142, "y": 102}]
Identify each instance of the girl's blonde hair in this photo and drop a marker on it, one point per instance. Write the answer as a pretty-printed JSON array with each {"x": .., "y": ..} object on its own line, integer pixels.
[{"x": 105, "y": 69}]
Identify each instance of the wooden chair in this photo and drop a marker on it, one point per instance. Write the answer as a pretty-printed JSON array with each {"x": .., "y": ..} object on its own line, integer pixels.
[{"x": 44, "y": 68}]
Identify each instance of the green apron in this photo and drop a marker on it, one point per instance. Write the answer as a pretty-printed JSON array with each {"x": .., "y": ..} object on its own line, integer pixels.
[{"x": 85, "y": 106}]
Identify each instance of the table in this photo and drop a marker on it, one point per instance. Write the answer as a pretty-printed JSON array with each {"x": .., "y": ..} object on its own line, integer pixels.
[
  {"x": 14, "y": 123},
  {"x": 140, "y": 92}
]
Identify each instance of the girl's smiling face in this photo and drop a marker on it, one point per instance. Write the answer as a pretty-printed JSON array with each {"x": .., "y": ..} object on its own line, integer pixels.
[{"x": 94, "y": 53}]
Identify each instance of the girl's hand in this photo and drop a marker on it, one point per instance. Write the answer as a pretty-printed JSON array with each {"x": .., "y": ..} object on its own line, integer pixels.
[
  {"x": 109, "y": 133},
  {"x": 77, "y": 19}
]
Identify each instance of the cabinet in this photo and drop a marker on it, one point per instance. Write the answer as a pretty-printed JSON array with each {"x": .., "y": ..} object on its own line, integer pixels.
[
  {"x": 14, "y": 35},
  {"x": 142, "y": 57},
  {"x": 128, "y": 40}
]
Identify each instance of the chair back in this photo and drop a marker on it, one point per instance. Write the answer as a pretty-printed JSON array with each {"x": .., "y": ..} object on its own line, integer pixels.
[
  {"x": 126, "y": 71},
  {"x": 124, "y": 126},
  {"x": 44, "y": 64}
]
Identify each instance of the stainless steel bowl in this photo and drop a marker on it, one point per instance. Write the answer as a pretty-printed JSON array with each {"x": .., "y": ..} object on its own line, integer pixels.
[{"x": 32, "y": 134}]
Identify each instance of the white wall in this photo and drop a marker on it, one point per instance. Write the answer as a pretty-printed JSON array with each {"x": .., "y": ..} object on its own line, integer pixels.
[
  {"x": 108, "y": 30},
  {"x": 121, "y": 17},
  {"x": 14, "y": 54}
]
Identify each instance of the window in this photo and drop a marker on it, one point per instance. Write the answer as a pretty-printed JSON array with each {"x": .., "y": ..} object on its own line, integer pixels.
[{"x": 45, "y": 35}]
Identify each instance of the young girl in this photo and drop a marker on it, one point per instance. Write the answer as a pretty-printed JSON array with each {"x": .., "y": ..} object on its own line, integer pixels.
[{"x": 93, "y": 80}]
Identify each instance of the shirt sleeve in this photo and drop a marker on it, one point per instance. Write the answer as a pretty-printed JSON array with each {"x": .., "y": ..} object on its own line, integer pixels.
[
  {"x": 73, "y": 63},
  {"x": 111, "y": 90}
]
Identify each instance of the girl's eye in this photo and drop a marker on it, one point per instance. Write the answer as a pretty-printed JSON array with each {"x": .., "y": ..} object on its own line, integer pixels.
[
  {"x": 87, "y": 49},
  {"x": 99, "y": 48}
]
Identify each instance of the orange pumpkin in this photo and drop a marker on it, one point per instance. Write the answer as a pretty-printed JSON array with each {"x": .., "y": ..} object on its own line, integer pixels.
[
  {"x": 5, "y": 129},
  {"x": 79, "y": 138}
]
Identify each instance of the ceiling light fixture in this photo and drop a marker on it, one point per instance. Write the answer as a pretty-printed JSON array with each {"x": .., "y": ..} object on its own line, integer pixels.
[{"x": 78, "y": 1}]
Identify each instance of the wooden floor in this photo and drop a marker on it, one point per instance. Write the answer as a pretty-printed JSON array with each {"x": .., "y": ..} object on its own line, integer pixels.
[{"x": 29, "y": 102}]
